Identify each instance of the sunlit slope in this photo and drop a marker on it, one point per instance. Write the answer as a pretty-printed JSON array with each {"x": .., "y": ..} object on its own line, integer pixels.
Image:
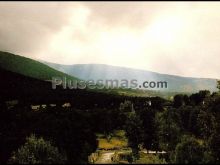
[{"x": 29, "y": 67}]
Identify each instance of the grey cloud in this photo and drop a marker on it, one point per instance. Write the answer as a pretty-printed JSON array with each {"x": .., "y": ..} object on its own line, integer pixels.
[
  {"x": 26, "y": 27},
  {"x": 52, "y": 29}
]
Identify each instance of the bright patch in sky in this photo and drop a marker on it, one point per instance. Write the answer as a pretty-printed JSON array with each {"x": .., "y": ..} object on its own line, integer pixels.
[{"x": 166, "y": 29}]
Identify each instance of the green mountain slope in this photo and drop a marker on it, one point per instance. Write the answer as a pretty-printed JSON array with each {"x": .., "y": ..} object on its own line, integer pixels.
[{"x": 29, "y": 67}]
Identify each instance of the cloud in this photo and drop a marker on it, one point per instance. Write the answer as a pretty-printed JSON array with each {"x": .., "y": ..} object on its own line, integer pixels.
[
  {"x": 169, "y": 37},
  {"x": 26, "y": 27}
]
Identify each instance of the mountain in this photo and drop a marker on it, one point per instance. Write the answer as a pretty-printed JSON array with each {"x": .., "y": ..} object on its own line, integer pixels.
[
  {"x": 106, "y": 72},
  {"x": 29, "y": 67},
  {"x": 22, "y": 76},
  {"x": 45, "y": 71},
  {"x": 30, "y": 91}
]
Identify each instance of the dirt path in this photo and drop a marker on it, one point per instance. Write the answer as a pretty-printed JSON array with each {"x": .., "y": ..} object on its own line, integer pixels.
[{"x": 105, "y": 158}]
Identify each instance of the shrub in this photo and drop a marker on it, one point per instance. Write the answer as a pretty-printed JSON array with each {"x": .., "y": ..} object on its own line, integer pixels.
[{"x": 37, "y": 151}]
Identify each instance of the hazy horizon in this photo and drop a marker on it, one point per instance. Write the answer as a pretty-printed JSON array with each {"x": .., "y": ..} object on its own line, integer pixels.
[{"x": 176, "y": 38}]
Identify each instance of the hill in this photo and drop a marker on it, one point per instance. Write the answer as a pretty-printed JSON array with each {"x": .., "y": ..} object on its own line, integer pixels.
[
  {"x": 29, "y": 91},
  {"x": 104, "y": 72},
  {"x": 29, "y": 67}
]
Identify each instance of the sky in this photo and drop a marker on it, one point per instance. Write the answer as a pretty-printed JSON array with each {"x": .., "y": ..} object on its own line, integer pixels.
[{"x": 179, "y": 38}]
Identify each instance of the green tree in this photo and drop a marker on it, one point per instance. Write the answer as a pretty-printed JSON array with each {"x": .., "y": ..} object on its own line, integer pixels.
[
  {"x": 214, "y": 144},
  {"x": 207, "y": 123},
  {"x": 189, "y": 151},
  {"x": 147, "y": 116},
  {"x": 178, "y": 101},
  {"x": 37, "y": 151},
  {"x": 169, "y": 131},
  {"x": 134, "y": 133},
  {"x": 198, "y": 98},
  {"x": 214, "y": 139}
]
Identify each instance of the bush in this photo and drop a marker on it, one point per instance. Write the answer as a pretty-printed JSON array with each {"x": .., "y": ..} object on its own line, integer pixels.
[
  {"x": 37, "y": 151},
  {"x": 189, "y": 151}
]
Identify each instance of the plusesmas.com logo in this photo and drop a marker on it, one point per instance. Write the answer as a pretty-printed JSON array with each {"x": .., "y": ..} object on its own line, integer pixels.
[{"x": 106, "y": 84}]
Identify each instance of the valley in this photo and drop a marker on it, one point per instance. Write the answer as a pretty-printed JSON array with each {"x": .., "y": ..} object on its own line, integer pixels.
[{"x": 101, "y": 126}]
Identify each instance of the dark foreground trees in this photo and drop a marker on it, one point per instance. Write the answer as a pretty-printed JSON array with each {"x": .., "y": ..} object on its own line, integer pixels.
[
  {"x": 188, "y": 130},
  {"x": 134, "y": 133},
  {"x": 189, "y": 151},
  {"x": 153, "y": 126},
  {"x": 67, "y": 129},
  {"x": 37, "y": 151}
]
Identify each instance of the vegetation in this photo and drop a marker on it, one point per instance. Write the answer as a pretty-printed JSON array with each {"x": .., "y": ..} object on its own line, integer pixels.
[
  {"x": 29, "y": 67},
  {"x": 117, "y": 140},
  {"x": 150, "y": 159},
  {"x": 183, "y": 130},
  {"x": 134, "y": 132},
  {"x": 37, "y": 151},
  {"x": 189, "y": 151}
]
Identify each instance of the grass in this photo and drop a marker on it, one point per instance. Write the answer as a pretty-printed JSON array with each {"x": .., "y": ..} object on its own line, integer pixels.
[
  {"x": 114, "y": 143},
  {"x": 117, "y": 141},
  {"x": 150, "y": 159},
  {"x": 123, "y": 158}
]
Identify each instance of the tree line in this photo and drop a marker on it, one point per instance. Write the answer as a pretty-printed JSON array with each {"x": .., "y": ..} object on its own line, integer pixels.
[{"x": 186, "y": 128}]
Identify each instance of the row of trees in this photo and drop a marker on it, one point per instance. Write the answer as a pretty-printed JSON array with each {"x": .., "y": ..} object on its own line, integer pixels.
[
  {"x": 188, "y": 130},
  {"x": 70, "y": 130}
]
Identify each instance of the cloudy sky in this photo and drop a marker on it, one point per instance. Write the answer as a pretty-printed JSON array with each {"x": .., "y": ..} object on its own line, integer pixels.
[{"x": 181, "y": 38}]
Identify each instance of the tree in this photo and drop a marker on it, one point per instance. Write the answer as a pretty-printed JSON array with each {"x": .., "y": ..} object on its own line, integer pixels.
[
  {"x": 189, "y": 151},
  {"x": 194, "y": 127},
  {"x": 71, "y": 131},
  {"x": 169, "y": 131},
  {"x": 147, "y": 116},
  {"x": 214, "y": 139},
  {"x": 134, "y": 133},
  {"x": 207, "y": 123},
  {"x": 184, "y": 113},
  {"x": 37, "y": 151},
  {"x": 198, "y": 98},
  {"x": 178, "y": 101},
  {"x": 186, "y": 100},
  {"x": 214, "y": 144}
]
